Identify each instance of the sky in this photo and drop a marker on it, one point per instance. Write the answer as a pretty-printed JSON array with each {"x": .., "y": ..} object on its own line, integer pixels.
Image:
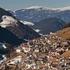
[{"x": 20, "y": 4}]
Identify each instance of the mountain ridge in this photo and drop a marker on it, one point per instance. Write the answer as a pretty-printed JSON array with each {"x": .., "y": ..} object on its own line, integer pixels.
[
  {"x": 9, "y": 22},
  {"x": 36, "y": 14}
]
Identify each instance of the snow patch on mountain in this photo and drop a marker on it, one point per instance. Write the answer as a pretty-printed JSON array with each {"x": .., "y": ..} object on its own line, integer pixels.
[
  {"x": 38, "y": 13},
  {"x": 7, "y": 21},
  {"x": 37, "y": 30},
  {"x": 27, "y": 23}
]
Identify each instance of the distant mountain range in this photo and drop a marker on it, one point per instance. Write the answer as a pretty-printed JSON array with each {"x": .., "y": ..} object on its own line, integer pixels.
[
  {"x": 36, "y": 13},
  {"x": 44, "y": 20}
]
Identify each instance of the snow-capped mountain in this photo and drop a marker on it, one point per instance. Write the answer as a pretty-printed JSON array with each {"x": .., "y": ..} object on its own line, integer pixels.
[
  {"x": 36, "y": 13},
  {"x": 15, "y": 27}
]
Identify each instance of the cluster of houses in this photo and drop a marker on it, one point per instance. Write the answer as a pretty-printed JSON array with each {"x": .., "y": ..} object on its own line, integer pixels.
[{"x": 49, "y": 52}]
